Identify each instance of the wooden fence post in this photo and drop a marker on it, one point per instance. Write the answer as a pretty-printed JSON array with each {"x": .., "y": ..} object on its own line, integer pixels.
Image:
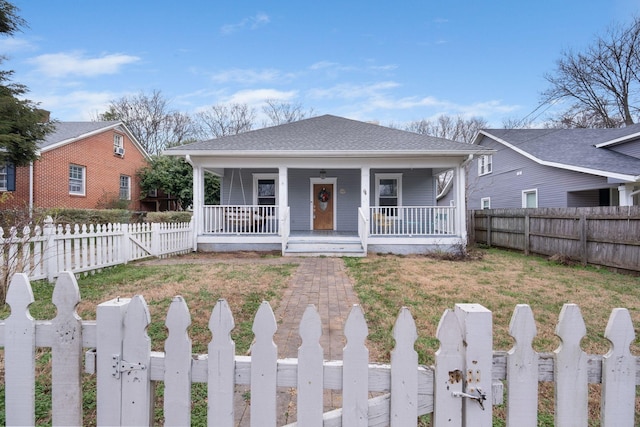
[
  {"x": 109, "y": 336},
  {"x": 584, "y": 254},
  {"x": 527, "y": 231},
  {"x": 488, "y": 219},
  {"x": 125, "y": 248},
  {"x": 310, "y": 381},
  {"x": 477, "y": 332},
  {"x": 355, "y": 378},
  {"x": 222, "y": 351},
  {"x": 404, "y": 365}
]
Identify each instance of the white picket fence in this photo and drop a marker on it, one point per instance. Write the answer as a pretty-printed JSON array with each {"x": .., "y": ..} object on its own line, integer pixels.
[
  {"x": 44, "y": 252},
  {"x": 459, "y": 390}
]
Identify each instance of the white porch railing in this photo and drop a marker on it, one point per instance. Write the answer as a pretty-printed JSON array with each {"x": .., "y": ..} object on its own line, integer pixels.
[
  {"x": 412, "y": 220},
  {"x": 240, "y": 219}
]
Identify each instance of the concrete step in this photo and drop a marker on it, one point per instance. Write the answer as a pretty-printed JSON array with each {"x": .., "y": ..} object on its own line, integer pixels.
[{"x": 324, "y": 248}]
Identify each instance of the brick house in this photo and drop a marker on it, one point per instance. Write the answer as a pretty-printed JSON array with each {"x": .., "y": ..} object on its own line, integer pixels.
[{"x": 84, "y": 165}]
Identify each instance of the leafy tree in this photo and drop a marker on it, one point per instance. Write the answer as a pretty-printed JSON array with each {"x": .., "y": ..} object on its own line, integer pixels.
[
  {"x": 22, "y": 124},
  {"x": 174, "y": 176},
  {"x": 602, "y": 83}
]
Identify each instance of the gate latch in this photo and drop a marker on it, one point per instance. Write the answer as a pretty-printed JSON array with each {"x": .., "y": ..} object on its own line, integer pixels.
[
  {"x": 119, "y": 366},
  {"x": 480, "y": 397}
]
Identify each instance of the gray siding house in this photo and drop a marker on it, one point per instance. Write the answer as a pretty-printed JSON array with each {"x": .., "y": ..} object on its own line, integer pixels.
[
  {"x": 328, "y": 186},
  {"x": 555, "y": 168}
]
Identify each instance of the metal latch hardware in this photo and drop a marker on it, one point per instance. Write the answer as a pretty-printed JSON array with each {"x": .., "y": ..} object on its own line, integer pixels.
[
  {"x": 119, "y": 366},
  {"x": 480, "y": 397}
]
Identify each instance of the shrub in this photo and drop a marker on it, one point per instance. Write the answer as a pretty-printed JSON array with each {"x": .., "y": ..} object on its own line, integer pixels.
[{"x": 169, "y": 216}]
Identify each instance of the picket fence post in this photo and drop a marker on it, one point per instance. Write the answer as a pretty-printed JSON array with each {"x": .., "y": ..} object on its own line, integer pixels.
[
  {"x": 570, "y": 370},
  {"x": 177, "y": 372},
  {"x": 221, "y": 363},
  {"x": 355, "y": 377},
  {"x": 448, "y": 378},
  {"x": 618, "y": 371},
  {"x": 477, "y": 332},
  {"x": 109, "y": 337},
  {"x": 66, "y": 353},
  {"x": 50, "y": 255},
  {"x": 522, "y": 370},
  {"x": 310, "y": 378},
  {"x": 264, "y": 366},
  {"x": 125, "y": 247},
  {"x": 20, "y": 354},
  {"x": 404, "y": 365},
  {"x": 156, "y": 238}
]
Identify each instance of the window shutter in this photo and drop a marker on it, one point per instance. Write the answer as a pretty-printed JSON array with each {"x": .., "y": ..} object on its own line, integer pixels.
[{"x": 11, "y": 177}]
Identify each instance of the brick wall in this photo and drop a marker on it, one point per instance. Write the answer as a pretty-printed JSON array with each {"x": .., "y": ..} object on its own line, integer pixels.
[{"x": 102, "y": 169}]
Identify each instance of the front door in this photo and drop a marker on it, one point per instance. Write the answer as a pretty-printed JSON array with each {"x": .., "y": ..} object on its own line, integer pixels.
[{"x": 323, "y": 206}]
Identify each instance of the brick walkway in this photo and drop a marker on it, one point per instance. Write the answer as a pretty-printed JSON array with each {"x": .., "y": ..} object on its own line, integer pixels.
[{"x": 323, "y": 283}]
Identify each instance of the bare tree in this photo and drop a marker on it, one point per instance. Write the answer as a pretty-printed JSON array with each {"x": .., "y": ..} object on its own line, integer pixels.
[
  {"x": 280, "y": 112},
  {"x": 603, "y": 82},
  {"x": 225, "y": 119},
  {"x": 453, "y": 128},
  {"x": 150, "y": 119}
]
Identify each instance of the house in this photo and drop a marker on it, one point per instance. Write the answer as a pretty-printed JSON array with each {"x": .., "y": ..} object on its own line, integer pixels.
[
  {"x": 556, "y": 168},
  {"x": 328, "y": 185},
  {"x": 81, "y": 165}
]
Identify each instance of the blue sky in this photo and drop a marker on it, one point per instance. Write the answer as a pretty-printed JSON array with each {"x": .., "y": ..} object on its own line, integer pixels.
[{"x": 391, "y": 62}]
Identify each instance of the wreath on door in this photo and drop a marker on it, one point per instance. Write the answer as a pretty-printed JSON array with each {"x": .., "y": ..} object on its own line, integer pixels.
[{"x": 323, "y": 195}]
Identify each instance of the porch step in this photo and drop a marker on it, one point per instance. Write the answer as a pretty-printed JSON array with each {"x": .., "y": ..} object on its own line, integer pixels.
[{"x": 337, "y": 248}]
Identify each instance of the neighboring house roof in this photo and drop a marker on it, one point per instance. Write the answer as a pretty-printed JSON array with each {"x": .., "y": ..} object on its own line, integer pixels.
[
  {"x": 68, "y": 132},
  {"x": 582, "y": 150},
  {"x": 330, "y": 136}
]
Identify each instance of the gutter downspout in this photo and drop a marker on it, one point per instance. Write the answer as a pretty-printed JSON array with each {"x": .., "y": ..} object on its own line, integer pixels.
[{"x": 30, "y": 189}]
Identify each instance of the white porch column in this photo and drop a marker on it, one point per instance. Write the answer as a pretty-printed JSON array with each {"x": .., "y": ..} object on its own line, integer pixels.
[
  {"x": 624, "y": 191},
  {"x": 198, "y": 202},
  {"x": 365, "y": 193},
  {"x": 461, "y": 204},
  {"x": 283, "y": 193}
]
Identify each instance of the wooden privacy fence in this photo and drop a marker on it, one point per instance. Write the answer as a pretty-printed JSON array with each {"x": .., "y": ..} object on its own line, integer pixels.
[
  {"x": 459, "y": 390},
  {"x": 44, "y": 252},
  {"x": 606, "y": 236}
]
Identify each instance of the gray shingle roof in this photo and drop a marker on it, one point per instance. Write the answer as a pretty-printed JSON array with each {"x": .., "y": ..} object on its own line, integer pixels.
[
  {"x": 69, "y": 130},
  {"x": 327, "y": 133},
  {"x": 574, "y": 147}
]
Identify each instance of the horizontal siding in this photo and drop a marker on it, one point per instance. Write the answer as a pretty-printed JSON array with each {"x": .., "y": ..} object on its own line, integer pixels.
[
  {"x": 513, "y": 173},
  {"x": 418, "y": 189}
]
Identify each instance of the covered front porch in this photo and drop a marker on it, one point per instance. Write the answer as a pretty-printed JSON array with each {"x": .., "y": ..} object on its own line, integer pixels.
[{"x": 329, "y": 185}]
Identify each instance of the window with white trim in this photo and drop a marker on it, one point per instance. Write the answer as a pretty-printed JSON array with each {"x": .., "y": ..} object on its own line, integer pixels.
[
  {"x": 485, "y": 203},
  {"x": 118, "y": 144},
  {"x": 3, "y": 177},
  {"x": 125, "y": 187},
  {"x": 485, "y": 164},
  {"x": 530, "y": 198},
  {"x": 265, "y": 189},
  {"x": 77, "y": 179},
  {"x": 388, "y": 189}
]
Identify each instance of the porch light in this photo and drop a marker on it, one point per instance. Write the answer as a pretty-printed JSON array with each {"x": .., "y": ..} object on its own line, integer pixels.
[{"x": 323, "y": 174}]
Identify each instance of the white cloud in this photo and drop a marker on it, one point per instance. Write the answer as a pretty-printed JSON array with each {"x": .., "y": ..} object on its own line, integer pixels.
[
  {"x": 10, "y": 45},
  {"x": 252, "y": 23},
  {"x": 75, "y": 63},
  {"x": 255, "y": 97},
  {"x": 352, "y": 91},
  {"x": 247, "y": 76},
  {"x": 76, "y": 105}
]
